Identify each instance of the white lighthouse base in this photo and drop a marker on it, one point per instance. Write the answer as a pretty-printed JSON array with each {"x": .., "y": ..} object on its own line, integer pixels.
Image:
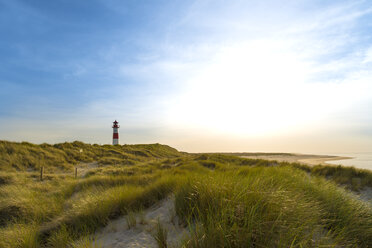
[{"x": 115, "y": 141}]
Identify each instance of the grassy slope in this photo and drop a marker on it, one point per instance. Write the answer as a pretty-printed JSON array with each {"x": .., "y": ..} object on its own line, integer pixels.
[
  {"x": 26, "y": 156},
  {"x": 226, "y": 201}
]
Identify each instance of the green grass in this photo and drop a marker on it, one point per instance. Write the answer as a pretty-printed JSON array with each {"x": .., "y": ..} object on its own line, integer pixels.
[
  {"x": 98, "y": 207},
  {"x": 160, "y": 235},
  {"x": 224, "y": 200},
  {"x": 350, "y": 177},
  {"x": 61, "y": 157},
  {"x": 272, "y": 207}
]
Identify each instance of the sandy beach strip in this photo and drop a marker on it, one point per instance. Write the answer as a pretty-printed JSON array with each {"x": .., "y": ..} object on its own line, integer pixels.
[{"x": 308, "y": 159}]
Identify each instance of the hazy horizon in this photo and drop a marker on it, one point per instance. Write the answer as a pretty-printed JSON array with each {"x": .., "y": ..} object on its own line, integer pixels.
[{"x": 200, "y": 76}]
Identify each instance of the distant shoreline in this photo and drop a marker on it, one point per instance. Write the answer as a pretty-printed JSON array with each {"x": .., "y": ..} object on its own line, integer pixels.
[{"x": 308, "y": 159}]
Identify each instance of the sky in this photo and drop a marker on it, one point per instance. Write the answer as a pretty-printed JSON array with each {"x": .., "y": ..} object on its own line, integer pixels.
[{"x": 202, "y": 75}]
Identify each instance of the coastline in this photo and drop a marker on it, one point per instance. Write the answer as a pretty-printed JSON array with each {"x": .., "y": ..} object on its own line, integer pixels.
[
  {"x": 323, "y": 160},
  {"x": 308, "y": 159}
]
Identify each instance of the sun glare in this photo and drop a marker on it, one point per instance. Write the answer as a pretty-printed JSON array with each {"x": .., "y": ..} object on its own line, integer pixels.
[{"x": 256, "y": 88}]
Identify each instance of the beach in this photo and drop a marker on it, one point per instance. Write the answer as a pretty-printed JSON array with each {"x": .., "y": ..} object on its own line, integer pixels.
[
  {"x": 309, "y": 159},
  {"x": 361, "y": 160}
]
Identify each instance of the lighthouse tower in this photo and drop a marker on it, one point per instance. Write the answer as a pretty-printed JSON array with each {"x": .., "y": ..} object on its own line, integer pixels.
[{"x": 115, "y": 137}]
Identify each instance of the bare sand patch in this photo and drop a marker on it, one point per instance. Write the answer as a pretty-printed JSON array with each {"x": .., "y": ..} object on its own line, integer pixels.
[
  {"x": 137, "y": 230},
  {"x": 366, "y": 194}
]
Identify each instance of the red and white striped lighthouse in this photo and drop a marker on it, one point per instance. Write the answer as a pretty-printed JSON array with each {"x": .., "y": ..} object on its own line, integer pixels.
[{"x": 115, "y": 137}]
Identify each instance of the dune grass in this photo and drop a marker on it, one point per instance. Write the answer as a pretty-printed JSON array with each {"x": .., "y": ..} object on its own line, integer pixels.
[
  {"x": 272, "y": 207},
  {"x": 350, "y": 177},
  {"x": 224, "y": 200},
  {"x": 160, "y": 236},
  {"x": 56, "y": 212},
  {"x": 61, "y": 157}
]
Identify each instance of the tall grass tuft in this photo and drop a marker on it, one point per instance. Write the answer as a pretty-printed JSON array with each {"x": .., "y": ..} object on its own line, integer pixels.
[
  {"x": 131, "y": 219},
  {"x": 160, "y": 235}
]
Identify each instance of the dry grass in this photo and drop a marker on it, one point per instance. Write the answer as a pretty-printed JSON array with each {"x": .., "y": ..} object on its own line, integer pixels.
[{"x": 225, "y": 201}]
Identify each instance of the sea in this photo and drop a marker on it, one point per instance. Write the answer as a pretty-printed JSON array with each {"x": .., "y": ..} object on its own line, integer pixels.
[{"x": 362, "y": 160}]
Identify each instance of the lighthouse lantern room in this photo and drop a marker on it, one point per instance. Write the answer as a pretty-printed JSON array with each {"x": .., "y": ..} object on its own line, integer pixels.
[{"x": 115, "y": 137}]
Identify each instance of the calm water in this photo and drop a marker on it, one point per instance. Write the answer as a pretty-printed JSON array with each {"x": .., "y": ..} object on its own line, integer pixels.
[{"x": 361, "y": 160}]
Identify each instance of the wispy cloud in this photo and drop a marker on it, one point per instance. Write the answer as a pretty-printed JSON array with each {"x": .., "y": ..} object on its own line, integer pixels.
[
  {"x": 295, "y": 72},
  {"x": 222, "y": 69}
]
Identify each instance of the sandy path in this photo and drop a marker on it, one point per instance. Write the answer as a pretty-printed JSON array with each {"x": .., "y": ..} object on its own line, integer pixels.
[
  {"x": 118, "y": 234},
  {"x": 84, "y": 168}
]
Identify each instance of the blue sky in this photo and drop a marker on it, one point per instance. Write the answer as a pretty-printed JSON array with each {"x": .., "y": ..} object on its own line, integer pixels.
[{"x": 198, "y": 75}]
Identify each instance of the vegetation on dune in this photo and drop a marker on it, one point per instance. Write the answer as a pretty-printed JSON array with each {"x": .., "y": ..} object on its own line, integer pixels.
[
  {"x": 272, "y": 207},
  {"x": 224, "y": 200},
  {"x": 26, "y": 156},
  {"x": 350, "y": 177}
]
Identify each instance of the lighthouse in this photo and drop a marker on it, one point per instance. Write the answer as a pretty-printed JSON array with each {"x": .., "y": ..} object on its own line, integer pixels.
[{"x": 115, "y": 137}]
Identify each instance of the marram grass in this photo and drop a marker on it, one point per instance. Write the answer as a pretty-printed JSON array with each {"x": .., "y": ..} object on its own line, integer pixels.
[{"x": 224, "y": 201}]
